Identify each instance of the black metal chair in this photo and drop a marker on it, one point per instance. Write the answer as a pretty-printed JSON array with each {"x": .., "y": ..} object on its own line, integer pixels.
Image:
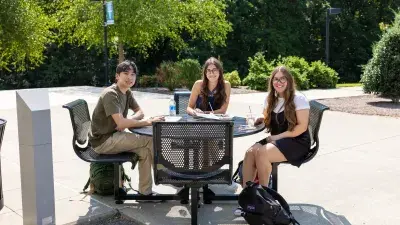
[
  {"x": 182, "y": 100},
  {"x": 80, "y": 119},
  {"x": 2, "y": 129},
  {"x": 205, "y": 159},
  {"x": 81, "y": 122},
  {"x": 316, "y": 112}
]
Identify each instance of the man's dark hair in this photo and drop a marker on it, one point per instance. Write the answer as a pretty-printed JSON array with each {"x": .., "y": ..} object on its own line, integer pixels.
[{"x": 125, "y": 66}]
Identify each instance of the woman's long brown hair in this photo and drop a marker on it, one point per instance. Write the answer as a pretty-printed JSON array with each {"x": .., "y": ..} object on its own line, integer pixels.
[
  {"x": 288, "y": 95},
  {"x": 220, "y": 94}
]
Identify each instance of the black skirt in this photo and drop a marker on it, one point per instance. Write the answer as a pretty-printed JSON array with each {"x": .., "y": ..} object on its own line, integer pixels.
[{"x": 294, "y": 149}]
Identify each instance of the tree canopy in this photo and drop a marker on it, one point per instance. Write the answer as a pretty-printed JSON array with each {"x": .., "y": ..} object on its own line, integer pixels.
[
  {"x": 140, "y": 23},
  {"x": 25, "y": 29},
  {"x": 27, "y": 26}
]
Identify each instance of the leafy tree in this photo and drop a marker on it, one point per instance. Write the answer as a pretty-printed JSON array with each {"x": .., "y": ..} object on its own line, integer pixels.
[
  {"x": 24, "y": 33},
  {"x": 353, "y": 31},
  {"x": 141, "y": 23},
  {"x": 64, "y": 65},
  {"x": 273, "y": 27}
]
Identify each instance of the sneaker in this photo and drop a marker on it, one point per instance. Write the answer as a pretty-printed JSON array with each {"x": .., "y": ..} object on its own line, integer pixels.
[
  {"x": 178, "y": 188},
  {"x": 238, "y": 211},
  {"x": 149, "y": 200}
]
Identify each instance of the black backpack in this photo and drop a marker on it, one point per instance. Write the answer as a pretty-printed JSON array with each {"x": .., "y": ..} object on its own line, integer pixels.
[{"x": 264, "y": 206}]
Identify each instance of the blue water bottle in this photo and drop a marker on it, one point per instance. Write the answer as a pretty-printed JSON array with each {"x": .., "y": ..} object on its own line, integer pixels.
[{"x": 172, "y": 107}]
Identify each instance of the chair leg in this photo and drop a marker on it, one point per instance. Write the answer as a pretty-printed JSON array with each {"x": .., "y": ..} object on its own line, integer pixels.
[
  {"x": 195, "y": 204},
  {"x": 275, "y": 176},
  {"x": 207, "y": 194},
  {"x": 117, "y": 183},
  {"x": 184, "y": 195}
]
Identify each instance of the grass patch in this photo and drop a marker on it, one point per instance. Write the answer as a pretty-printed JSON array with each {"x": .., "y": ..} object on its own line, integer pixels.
[{"x": 349, "y": 85}]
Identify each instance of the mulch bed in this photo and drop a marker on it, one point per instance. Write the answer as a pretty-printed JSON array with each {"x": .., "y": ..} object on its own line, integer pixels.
[{"x": 366, "y": 105}]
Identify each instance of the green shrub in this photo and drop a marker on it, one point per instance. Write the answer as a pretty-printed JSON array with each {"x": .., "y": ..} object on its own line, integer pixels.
[
  {"x": 322, "y": 76},
  {"x": 296, "y": 62},
  {"x": 259, "y": 72},
  {"x": 299, "y": 68},
  {"x": 233, "y": 78},
  {"x": 259, "y": 65},
  {"x": 257, "y": 81},
  {"x": 167, "y": 74},
  {"x": 316, "y": 75},
  {"x": 148, "y": 81},
  {"x": 189, "y": 70},
  {"x": 382, "y": 72}
]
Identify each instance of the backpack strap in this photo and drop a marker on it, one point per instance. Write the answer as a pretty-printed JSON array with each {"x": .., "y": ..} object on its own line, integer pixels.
[
  {"x": 86, "y": 185},
  {"x": 134, "y": 160},
  {"x": 281, "y": 201},
  {"x": 235, "y": 175},
  {"x": 127, "y": 178}
]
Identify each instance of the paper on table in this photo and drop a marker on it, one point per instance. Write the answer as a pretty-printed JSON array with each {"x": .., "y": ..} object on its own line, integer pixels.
[
  {"x": 215, "y": 116},
  {"x": 173, "y": 118},
  {"x": 246, "y": 127}
]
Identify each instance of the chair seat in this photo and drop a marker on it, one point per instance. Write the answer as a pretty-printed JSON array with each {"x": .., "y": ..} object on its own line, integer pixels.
[
  {"x": 193, "y": 176},
  {"x": 221, "y": 176},
  {"x": 89, "y": 155},
  {"x": 191, "y": 183},
  {"x": 285, "y": 162}
]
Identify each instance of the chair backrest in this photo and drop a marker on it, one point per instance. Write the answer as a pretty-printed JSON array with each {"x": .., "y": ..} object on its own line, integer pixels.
[
  {"x": 182, "y": 100},
  {"x": 2, "y": 129},
  {"x": 316, "y": 112},
  {"x": 80, "y": 119},
  {"x": 192, "y": 150}
]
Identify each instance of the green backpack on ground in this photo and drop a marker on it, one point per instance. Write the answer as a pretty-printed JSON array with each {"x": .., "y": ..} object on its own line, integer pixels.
[{"x": 101, "y": 178}]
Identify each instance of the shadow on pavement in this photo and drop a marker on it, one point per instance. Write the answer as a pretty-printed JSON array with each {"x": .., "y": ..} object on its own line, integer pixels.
[
  {"x": 308, "y": 214},
  {"x": 221, "y": 213},
  {"x": 97, "y": 213}
]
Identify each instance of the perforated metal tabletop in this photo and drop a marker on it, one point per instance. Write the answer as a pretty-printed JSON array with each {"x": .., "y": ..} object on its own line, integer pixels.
[{"x": 240, "y": 128}]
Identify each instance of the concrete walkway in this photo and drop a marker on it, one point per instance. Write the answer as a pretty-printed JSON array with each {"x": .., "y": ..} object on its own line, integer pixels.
[{"x": 351, "y": 180}]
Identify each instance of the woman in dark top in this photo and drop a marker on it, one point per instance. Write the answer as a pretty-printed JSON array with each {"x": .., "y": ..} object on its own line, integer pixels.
[
  {"x": 286, "y": 115},
  {"x": 212, "y": 90}
]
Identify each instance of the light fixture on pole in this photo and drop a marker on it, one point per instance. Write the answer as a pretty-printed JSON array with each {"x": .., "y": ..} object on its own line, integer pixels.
[
  {"x": 108, "y": 19},
  {"x": 329, "y": 11}
]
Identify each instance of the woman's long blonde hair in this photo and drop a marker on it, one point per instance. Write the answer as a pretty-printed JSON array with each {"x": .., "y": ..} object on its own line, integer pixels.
[{"x": 288, "y": 95}]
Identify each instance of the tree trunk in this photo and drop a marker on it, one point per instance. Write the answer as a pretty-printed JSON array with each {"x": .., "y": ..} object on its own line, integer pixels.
[{"x": 121, "y": 56}]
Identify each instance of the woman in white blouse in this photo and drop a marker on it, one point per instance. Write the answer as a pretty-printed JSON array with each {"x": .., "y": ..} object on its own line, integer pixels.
[{"x": 286, "y": 117}]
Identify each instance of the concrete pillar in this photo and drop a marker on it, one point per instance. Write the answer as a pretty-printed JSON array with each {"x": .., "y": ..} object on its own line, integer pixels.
[{"x": 35, "y": 153}]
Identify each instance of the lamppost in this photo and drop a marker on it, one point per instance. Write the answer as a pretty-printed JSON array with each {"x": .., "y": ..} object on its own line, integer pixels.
[
  {"x": 108, "y": 18},
  {"x": 329, "y": 11},
  {"x": 105, "y": 44}
]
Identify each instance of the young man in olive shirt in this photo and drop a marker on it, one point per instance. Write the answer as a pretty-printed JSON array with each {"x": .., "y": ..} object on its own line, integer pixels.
[{"x": 109, "y": 120}]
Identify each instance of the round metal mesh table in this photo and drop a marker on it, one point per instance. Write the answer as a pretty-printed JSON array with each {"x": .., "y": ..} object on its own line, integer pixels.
[{"x": 240, "y": 128}]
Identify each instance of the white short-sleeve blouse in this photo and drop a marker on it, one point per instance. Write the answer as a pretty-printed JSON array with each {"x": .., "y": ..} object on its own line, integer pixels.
[{"x": 300, "y": 102}]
